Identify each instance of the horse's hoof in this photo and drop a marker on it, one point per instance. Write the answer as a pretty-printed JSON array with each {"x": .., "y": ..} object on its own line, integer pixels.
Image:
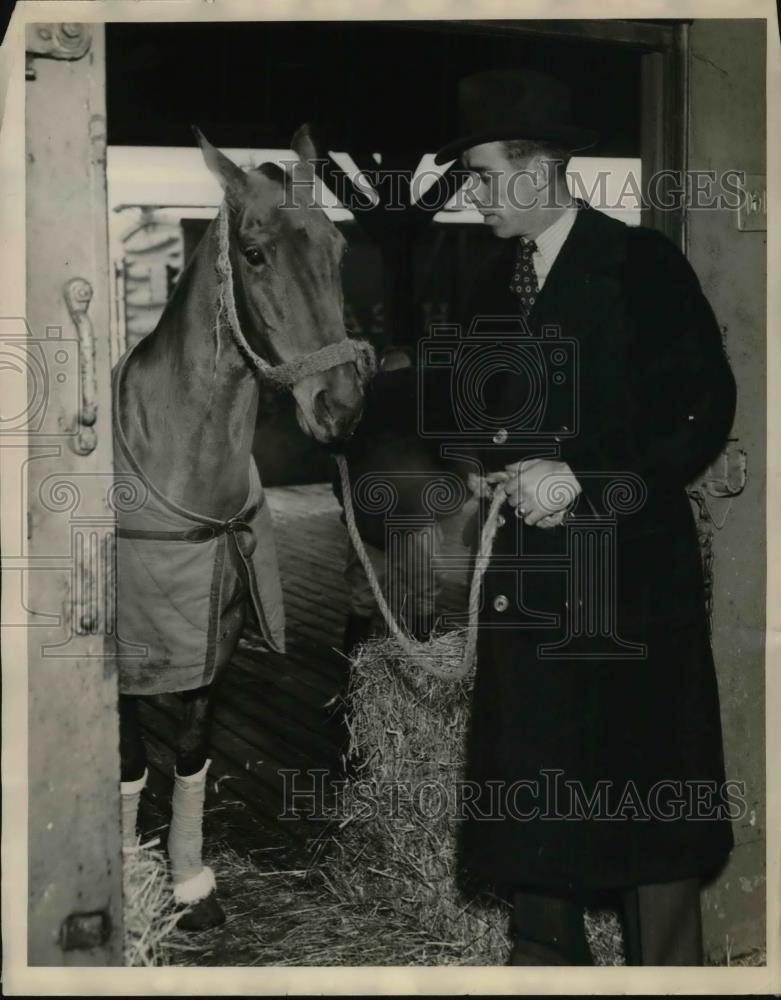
[{"x": 203, "y": 914}]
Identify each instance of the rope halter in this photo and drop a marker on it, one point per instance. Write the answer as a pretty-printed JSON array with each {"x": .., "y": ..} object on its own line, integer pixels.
[{"x": 288, "y": 373}]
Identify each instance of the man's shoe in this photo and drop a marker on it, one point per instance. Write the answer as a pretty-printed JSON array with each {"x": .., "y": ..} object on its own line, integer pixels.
[{"x": 548, "y": 930}]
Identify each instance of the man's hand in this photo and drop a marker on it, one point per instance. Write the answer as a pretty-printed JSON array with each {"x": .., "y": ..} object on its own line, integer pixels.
[{"x": 541, "y": 490}]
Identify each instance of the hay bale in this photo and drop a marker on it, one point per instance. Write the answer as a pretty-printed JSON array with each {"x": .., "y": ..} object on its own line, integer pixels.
[
  {"x": 604, "y": 936},
  {"x": 148, "y": 906},
  {"x": 398, "y": 842}
]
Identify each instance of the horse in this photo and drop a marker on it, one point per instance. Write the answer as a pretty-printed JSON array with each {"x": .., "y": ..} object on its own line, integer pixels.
[{"x": 260, "y": 302}]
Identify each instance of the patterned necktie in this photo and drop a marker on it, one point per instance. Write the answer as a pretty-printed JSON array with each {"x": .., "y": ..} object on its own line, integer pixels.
[{"x": 524, "y": 283}]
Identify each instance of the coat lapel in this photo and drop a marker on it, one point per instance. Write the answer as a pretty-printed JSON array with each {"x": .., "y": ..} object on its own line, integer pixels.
[
  {"x": 590, "y": 249},
  {"x": 593, "y": 248},
  {"x": 582, "y": 285}
]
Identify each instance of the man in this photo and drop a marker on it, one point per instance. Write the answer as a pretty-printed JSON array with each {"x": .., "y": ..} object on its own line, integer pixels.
[{"x": 592, "y": 751}]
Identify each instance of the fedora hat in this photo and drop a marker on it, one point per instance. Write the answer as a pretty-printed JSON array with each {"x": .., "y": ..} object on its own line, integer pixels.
[{"x": 514, "y": 104}]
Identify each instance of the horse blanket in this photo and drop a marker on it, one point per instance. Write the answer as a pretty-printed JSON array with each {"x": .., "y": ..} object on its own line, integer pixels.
[{"x": 181, "y": 577}]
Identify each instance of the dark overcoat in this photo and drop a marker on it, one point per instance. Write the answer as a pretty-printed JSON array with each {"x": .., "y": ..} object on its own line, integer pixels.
[{"x": 595, "y": 749}]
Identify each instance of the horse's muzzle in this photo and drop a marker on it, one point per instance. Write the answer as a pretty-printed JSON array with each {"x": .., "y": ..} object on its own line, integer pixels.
[
  {"x": 335, "y": 420},
  {"x": 330, "y": 403}
]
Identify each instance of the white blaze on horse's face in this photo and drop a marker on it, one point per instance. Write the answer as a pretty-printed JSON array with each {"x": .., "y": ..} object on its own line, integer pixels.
[{"x": 286, "y": 256}]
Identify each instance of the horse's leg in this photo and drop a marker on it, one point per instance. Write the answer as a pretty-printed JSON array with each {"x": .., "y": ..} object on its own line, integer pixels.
[
  {"x": 193, "y": 882},
  {"x": 133, "y": 770},
  {"x": 193, "y": 736}
]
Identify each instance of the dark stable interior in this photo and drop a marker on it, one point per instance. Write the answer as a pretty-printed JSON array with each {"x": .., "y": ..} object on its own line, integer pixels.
[{"x": 366, "y": 87}]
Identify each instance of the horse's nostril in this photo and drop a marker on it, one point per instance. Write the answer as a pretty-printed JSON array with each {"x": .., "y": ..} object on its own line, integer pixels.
[{"x": 321, "y": 406}]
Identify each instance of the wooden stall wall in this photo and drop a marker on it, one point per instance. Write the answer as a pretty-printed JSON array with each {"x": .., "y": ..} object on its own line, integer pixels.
[{"x": 726, "y": 133}]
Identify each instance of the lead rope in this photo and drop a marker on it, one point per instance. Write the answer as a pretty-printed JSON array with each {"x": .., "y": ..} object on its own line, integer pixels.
[{"x": 425, "y": 654}]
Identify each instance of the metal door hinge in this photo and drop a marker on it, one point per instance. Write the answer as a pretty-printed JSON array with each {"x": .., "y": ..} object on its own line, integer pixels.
[{"x": 68, "y": 40}]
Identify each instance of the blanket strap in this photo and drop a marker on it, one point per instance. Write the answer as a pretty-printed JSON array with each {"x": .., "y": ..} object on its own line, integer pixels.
[{"x": 203, "y": 533}]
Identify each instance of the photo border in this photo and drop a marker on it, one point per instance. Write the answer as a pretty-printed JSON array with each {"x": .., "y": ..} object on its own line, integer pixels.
[{"x": 19, "y": 978}]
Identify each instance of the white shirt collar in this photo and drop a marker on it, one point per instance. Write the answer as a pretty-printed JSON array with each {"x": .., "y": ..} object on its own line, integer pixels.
[{"x": 550, "y": 242}]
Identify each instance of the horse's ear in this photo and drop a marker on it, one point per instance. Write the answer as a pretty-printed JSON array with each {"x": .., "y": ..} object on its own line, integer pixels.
[
  {"x": 303, "y": 144},
  {"x": 304, "y": 170},
  {"x": 232, "y": 178}
]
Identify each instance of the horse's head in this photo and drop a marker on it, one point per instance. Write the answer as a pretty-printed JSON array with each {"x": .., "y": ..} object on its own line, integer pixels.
[{"x": 286, "y": 259}]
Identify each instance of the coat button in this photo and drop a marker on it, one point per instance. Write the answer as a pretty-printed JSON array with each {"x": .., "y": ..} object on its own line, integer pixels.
[
  {"x": 500, "y": 521},
  {"x": 501, "y": 603},
  {"x": 500, "y": 437}
]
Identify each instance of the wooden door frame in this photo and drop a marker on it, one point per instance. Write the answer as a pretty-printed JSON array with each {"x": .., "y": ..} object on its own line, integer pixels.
[{"x": 74, "y": 859}]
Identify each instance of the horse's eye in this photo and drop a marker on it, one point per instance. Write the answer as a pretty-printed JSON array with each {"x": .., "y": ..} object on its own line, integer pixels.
[{"x": 255, "y": 256}]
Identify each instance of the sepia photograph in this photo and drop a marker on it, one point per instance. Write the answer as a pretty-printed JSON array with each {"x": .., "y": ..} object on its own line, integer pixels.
[{"x": 386, "y": 497}]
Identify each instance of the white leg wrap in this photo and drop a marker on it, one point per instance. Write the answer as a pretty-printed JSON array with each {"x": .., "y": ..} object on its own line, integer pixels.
[
  {"x": 185, "y": 838},
  {"x": 197, "y": 887},
  {"x": 130, "y": 794}
]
